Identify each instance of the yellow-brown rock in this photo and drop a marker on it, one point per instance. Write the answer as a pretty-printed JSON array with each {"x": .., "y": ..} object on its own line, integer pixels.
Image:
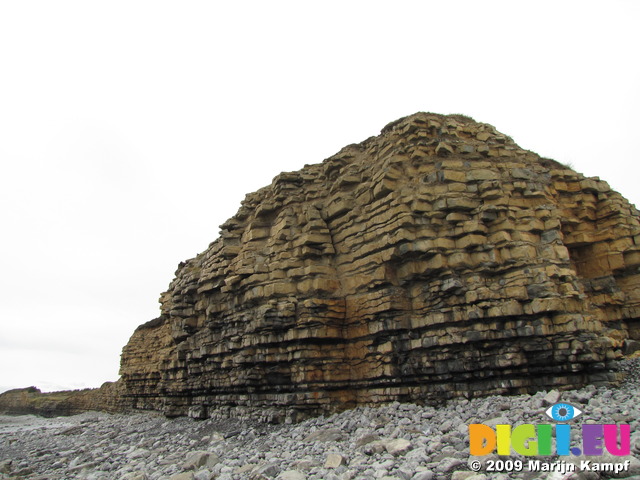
[{"x": 437, "y": 259}]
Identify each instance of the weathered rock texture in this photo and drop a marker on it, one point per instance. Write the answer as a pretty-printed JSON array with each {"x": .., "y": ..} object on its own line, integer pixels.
[{"x": 437, "y": 259}]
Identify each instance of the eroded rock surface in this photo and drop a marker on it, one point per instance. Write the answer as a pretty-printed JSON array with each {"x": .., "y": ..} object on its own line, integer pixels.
[{"x": 435, "y": 260}]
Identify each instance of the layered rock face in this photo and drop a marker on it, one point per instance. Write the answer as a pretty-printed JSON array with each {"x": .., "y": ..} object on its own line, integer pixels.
[{"x": 435, "y": 260}]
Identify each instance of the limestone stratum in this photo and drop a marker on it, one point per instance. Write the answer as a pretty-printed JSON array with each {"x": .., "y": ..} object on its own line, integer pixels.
[{"x": 436, "y": 260}]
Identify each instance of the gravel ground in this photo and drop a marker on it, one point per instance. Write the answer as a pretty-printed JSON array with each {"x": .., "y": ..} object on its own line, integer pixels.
[{"x": 393, "y": 442}]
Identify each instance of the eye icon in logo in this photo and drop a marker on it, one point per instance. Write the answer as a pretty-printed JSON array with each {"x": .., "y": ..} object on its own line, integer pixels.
[{"x": 563, "y": 412}]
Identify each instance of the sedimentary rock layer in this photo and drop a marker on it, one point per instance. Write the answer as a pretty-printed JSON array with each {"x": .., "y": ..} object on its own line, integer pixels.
[{"x": 437, "y": 259}]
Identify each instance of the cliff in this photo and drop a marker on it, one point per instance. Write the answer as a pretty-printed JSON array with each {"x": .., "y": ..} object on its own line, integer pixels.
[{"x": 437, "y": 259}]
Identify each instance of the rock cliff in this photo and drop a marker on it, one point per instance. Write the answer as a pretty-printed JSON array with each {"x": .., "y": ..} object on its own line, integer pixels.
[{"x": 435, "y": 260}]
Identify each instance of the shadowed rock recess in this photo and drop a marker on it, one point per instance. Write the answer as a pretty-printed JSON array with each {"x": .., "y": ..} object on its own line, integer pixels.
[{"x": 435, "y": 260}]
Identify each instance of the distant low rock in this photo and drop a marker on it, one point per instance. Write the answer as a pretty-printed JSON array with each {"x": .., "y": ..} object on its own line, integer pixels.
[{"x": 31, "y": 400}]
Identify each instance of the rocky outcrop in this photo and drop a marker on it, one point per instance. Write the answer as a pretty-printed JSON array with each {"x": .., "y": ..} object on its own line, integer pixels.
[
  {"x": 435, "y": 260},
  {"x": 31, "y": 401}
]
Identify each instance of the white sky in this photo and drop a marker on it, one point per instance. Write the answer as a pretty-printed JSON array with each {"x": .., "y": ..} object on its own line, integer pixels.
[{"x": 129, "y": 130}]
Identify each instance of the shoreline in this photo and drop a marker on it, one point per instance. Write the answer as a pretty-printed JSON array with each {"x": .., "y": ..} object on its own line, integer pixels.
[{"x": 392, "y": 442}]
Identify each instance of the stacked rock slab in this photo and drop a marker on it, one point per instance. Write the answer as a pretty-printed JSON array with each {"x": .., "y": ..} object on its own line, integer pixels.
[{"x": 435, "y": 260}]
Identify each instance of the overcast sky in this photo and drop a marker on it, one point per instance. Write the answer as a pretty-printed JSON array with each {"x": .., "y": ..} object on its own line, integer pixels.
[{"x": 129, "y": 130}]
